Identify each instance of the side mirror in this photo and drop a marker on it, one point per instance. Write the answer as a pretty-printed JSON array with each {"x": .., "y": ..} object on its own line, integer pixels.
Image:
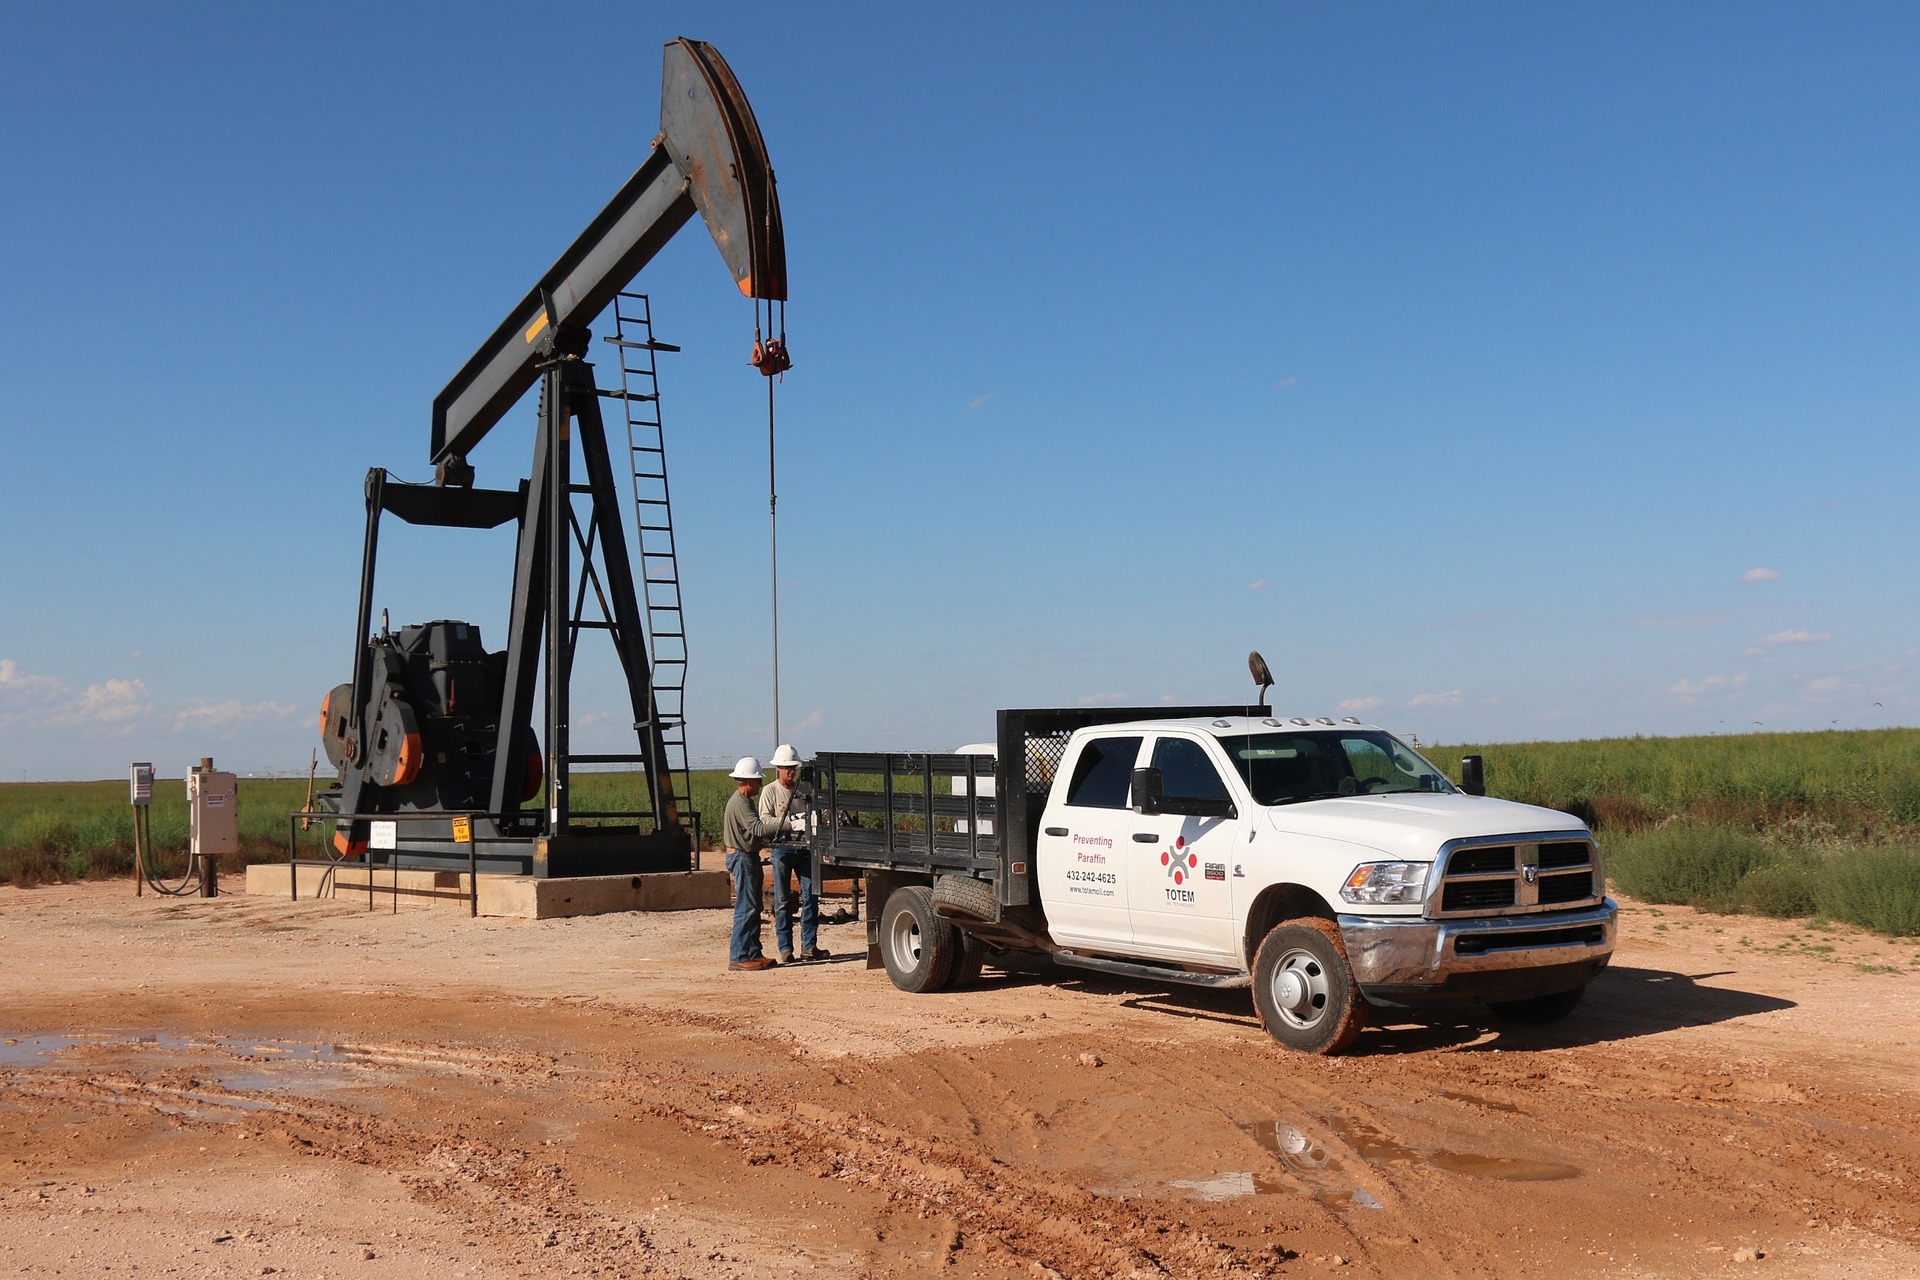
[
  {"x": 1147, "y": 791},
  {"x": 1473, "y": 775}
]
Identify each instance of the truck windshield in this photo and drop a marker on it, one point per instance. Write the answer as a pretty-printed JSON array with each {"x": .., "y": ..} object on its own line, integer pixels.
[{"x": 1284, "y": 768}]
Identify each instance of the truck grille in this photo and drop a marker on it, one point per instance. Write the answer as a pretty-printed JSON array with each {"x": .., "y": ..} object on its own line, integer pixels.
[
  {"x": 1511, "y": 875},
  {"x": 1477, "y": 895}
]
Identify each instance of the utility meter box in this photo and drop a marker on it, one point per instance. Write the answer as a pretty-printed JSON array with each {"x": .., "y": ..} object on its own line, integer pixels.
[
  {"x": 141, "y": 778},
  {"x": 213, "y": 809}
]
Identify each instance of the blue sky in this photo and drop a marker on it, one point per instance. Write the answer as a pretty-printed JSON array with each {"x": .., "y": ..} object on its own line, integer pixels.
[{"x": 1500, "y": 372}]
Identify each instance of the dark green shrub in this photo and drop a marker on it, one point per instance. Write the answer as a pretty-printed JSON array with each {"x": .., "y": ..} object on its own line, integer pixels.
[
  {"x": 1683, "y": 863},
  {"x": 1875, "y": 888},
  {"x": 1784, "y": 890}
]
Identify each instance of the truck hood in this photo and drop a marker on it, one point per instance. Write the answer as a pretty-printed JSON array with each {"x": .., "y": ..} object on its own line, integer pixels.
[{"x": 1414, "y": 825}]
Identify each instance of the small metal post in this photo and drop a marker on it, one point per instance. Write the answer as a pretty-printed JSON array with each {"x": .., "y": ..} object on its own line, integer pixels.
[{"x": 209, "y": 876}]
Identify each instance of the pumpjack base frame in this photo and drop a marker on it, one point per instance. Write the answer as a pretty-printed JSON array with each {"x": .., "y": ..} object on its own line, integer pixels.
[{"x": 583, "y": 851}]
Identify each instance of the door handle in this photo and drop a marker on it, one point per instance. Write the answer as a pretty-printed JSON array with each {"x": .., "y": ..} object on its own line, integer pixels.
[
  {"x": 1056, "y": 831},
  {"x": 1145, "y": 837}
]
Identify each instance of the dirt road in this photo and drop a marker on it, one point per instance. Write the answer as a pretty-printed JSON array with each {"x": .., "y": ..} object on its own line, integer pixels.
[{"x": 247, "y": 1087}]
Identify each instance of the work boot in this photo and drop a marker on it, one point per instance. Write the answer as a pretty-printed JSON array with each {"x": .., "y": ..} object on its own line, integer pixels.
[
  {"x": 752, "y": 966},
  {"x": 815, "y": 953},
  {"x": 786, "y": 957}
]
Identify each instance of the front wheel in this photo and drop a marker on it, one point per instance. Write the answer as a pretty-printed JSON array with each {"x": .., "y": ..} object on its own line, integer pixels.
[
  {"x": 919, "y": 946},
  {"x": 1538, "y": 1010},
  {"x": 1304, "y": 988}
]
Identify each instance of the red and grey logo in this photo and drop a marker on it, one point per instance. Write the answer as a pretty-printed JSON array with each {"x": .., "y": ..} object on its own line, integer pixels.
[{"x": 1179, "y": 860}]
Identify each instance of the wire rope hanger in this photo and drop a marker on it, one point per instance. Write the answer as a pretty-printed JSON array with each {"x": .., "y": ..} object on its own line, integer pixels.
[{"x": 771, "y": 359}]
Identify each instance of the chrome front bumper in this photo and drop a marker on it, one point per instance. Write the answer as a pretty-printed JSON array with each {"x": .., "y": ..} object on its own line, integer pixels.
[{"x": 1413, "y": 951}]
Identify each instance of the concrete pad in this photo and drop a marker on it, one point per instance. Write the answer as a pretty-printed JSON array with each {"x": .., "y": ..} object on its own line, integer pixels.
[
  {"x": 536, "y": 899},
  {"x": 527, "y": 897}
]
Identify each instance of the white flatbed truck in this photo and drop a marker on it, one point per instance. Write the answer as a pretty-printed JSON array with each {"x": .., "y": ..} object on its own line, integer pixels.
[{"x": 1325, "y": 864}]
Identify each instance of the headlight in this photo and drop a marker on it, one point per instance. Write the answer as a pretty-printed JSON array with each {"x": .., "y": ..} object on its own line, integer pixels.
[{"x": 1387, "y": 882}]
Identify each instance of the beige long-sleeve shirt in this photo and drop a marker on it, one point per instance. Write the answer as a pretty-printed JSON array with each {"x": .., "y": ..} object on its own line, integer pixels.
[{"x": 777, "y": 804}]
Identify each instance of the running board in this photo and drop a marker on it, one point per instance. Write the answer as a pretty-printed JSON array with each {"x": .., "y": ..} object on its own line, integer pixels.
[{"x": 1158, "y": 973}]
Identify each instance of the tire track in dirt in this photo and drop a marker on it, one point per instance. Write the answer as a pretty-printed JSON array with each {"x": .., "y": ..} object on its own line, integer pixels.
[
  {"x": 1004, "y": 1213},
  {"x": 521, "y": 1204}
]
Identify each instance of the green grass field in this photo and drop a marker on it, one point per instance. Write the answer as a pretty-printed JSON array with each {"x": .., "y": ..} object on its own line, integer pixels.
[
  {"x": 1785, "y": 824},
  {"x": 52, "y": 831}
]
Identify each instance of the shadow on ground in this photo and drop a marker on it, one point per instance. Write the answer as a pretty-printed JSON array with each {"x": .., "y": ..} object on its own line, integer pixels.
[{"x": 1622, "y": 1004}]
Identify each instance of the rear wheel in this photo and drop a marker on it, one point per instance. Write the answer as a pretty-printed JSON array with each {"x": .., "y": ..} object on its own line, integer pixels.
[
  {"x": 1539, "y": 1009},
  {"x": 966, "y": 966},
  {"x": 919, "y": 947},
  {"x": 1304, "y": 988}
]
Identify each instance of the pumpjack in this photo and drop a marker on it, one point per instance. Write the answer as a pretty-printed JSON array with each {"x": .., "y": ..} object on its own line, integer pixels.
[{"x": 433, "y": 726}]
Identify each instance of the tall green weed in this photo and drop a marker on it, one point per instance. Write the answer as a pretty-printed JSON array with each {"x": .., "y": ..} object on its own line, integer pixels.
[{"x": 1877, "y": 889}]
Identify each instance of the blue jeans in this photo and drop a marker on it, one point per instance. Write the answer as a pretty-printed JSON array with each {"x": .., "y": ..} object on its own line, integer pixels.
[
  {"x": 794, "y": 861},
  {"x": 745, "y": 870}
]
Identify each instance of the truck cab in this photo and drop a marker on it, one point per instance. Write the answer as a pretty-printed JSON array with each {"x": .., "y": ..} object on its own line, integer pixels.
[{"x": 1325, "y": 864}]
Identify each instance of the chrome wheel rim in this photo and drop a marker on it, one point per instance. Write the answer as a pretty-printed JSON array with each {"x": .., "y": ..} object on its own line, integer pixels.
[
  {"x": 906, "y": 939},
  {"x": 1301, "y": 988}
]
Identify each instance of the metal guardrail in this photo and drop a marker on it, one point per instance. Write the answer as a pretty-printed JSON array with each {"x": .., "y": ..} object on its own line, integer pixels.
[{"x": 303, "y": 819}]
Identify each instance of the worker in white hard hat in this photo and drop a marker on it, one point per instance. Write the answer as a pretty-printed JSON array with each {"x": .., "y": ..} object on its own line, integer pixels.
[
  {"x": 745, "y": 835},
  {"x": 792, "y": 857}
]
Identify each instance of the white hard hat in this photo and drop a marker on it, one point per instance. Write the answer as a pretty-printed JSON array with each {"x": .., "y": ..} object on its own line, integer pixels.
[
  {"x": 748, "y": 767},
  {"x": 786, "y": 757}
]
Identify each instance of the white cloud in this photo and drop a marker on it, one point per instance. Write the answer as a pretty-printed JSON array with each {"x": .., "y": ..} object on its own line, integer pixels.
[
  {"x": 1797, "y": 637},
  {"x": 17, "y": 686},
  {"x": 812, "y": 720},
  {"x": 111, "y": 706},
  {"x": 979, "y": 401},
  {"x": 1452, "y": 698},
  {"x": 113, "y": 701},
  {"x": 1712, "y": 684},
  {"x": 1258, "y": 584},
  {"x": 1095, "y": 699},
  {"x": 1828, "y": 685},
  {"x": 227, "y": 713},
  {"x": 1367, "y": 703},
  {"x": 1291, "y": 380},
  {"x": 1760, "y": 575}
]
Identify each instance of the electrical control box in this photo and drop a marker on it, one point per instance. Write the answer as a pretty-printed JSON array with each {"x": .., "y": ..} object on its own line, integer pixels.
[
  {"x": 213, "y": 809},
  {"x": 141, "y": 780}
]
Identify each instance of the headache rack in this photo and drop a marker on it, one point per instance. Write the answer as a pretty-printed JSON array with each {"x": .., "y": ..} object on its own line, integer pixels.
[{"x": 934, "y": 813}]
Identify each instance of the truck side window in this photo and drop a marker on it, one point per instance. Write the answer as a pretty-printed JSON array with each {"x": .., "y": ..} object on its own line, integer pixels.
[
  {"x": 1103, "y": 774},
  {"x": 1185, "y": 771}
]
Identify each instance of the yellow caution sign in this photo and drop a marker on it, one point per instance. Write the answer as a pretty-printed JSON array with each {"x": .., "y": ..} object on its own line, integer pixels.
[{"x": 463, "y": 830}]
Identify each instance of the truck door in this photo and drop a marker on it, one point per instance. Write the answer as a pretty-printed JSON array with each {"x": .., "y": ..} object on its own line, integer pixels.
[
  {"x": 1178, "y": 864},
  {"x": 1082, "y": 846}
]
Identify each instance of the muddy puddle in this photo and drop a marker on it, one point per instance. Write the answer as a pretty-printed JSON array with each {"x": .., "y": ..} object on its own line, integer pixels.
[
  {"x": 1304, "y": 1167},
  {"x": 289, "y": 1066}
]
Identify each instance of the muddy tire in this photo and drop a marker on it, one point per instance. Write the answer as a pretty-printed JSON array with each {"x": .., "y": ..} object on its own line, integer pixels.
[
  {"x": 963, "y": 895},
  {"x": 1304, "y": 988},
  {"x": 966, "y": 966},
  {"x": 918, "y": 946},
  {"x": 1538, "y": 1010}
]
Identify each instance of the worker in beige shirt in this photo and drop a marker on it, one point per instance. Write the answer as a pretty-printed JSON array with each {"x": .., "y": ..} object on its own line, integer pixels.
[{"x": 792, "y": 856}]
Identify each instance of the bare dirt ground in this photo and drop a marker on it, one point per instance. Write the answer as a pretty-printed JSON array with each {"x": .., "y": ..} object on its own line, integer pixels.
[{"x": 246, "y": 1087}]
